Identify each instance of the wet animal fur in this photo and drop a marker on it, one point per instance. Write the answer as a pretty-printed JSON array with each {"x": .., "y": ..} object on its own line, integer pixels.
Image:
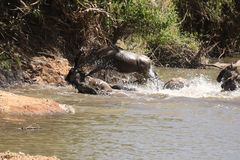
[
  {"x": 229, "y": 77},
  {"x": 111, "y": 57}
]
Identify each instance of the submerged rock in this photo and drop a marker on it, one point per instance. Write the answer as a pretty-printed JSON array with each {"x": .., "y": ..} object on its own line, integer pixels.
[
  {"x": 121, "y": 87},
  {"x": 93, "y": 86},
  {"x": 86, "y": 89},
  {"x": 98, "y": 84},
  {"x": 175, "y": 83}
]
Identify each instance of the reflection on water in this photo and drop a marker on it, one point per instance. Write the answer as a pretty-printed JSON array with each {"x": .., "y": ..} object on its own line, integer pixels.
[{"x": 198, "y": 122}]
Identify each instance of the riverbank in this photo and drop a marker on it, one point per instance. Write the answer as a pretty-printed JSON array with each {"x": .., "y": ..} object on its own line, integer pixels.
[
  {"x": 43, "y": 69},
  {"x": 21, "y": 156},
  {"x": 22, "y": 105}
]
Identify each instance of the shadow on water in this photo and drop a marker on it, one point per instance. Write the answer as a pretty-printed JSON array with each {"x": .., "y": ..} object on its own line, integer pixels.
[{"x": 196, "y": 122}]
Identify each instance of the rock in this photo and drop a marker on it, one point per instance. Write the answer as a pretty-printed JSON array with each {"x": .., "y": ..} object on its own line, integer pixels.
[
  {"x": 121, "y": 87},
  {"x": 49, "y": 70},
  {"x": 13, "y": 77},
  {"x": 93, "y": 86},
  {"x": 175, "y": 83},
  {"x": 86, "y": 89},
  {"x": 98, "y": 84},
  {"x": 16, "y": 104}
]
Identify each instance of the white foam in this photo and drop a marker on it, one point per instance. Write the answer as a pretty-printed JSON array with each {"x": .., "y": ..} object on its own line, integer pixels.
[
  {"x": 67, "y": 108},
  {"x": 199, "y": 87}
]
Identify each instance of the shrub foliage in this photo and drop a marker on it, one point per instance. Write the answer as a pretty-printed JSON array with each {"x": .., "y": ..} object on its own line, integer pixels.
[{"x": 65, "y": 26}]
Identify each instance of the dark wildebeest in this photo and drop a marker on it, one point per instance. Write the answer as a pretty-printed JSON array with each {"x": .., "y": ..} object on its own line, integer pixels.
[
  {"x": 111, "y": 57},
  {"x": 86, "y": 84},
  {"x": 230, "y": 78},
  {"x": 108, "y": 58}
]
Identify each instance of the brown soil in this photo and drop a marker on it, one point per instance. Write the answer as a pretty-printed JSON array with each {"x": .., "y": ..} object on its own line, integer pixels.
[
  {"x": 15, "y": 104},
  {"x": 49, "y": 70},
  {"x": 22, "y": 156}
]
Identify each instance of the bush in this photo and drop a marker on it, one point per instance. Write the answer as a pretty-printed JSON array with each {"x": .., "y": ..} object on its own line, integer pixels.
[
  {"x": 65, "y": 26},
  {"x": 216, "y": 22},
  {"x": 155, "y": 21}
]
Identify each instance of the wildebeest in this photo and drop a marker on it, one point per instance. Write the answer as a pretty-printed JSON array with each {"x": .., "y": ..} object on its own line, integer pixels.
[
  {"x": 111, "y": 57},
  {"x": 229, "y": 77},
  {"x": 108, "y": 58},
  {"x": 86, "y": 84}
]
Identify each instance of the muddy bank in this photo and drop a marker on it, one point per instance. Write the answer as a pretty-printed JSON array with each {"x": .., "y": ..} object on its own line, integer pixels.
[
  {"x": 22, "y": 156},
  {"x": 22, "y": 105}
]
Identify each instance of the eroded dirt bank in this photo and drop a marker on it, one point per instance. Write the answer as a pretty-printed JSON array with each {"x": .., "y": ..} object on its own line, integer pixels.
[{"x": 40, "y": 70}]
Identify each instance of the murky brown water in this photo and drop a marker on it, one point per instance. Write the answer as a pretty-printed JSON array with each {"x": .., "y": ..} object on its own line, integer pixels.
[{"x": 198, "y": 122}]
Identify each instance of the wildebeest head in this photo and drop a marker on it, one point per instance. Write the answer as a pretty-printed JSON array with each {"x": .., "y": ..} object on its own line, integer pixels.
[
  {"x": 143, "y": 64},
  {"x": 75, "y": 76},
  {"x": 227, "y": 72},
  {"x": 229, "y": 85},
  {"x": 229, "y": 76}
]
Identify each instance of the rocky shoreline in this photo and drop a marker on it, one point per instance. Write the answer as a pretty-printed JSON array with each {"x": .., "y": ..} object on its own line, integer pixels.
[{"x": 42, "y": 70}]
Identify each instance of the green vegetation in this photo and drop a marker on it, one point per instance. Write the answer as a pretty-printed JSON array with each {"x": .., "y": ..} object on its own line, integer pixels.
[
  {"x": 8, "y": 60},
  {"x": 173, "y": 32},
  {"x": 215, "y": 21},
  {"x": 156, "y": 22}
]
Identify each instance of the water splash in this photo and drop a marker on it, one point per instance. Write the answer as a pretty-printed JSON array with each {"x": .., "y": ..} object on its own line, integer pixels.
[
  {"x": 199, "y": 87},
  {"x": 151, "y": 73},
  {"x": 67, "y": 108}
]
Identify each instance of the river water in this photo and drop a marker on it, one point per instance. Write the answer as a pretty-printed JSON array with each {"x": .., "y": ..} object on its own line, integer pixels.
[{"x": 198, "y": 122}]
